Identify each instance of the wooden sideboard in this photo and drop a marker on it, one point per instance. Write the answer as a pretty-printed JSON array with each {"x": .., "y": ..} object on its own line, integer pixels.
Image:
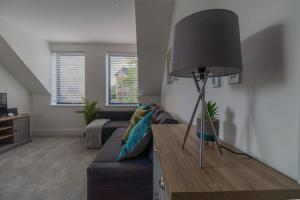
[
  {"x": 14, "y": 131},
  {"x": 177, "y": 175}
]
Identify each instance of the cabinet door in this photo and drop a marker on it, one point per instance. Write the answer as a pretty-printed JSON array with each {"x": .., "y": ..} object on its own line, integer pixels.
[
  {"x": 27, "y": 127},
  {"x": 156, "y": 176},
  {"x": 159, "y": 188},
  {"x": 20, "y": 132}
]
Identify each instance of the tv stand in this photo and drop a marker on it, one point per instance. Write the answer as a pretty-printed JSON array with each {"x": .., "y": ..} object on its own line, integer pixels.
[{"x": 14, "y": 131}]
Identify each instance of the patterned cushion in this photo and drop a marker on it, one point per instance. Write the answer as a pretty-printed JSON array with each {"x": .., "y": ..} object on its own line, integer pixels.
[
  {"x": 156, "y": 113},
  {"x": 139, "y": 113},
  {"x": 138, "y": 140},
  {"x": 165, "y": 118},
  {"x": 144, "y": 106},
  {"x": 133, "y": 122}
]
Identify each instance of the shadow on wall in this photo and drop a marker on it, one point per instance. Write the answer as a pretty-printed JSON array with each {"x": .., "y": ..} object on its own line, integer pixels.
[
  {"x": 229, "y": 128},
  {"x": 263, "y": 72},
  {"x": 263, "y": 59}
]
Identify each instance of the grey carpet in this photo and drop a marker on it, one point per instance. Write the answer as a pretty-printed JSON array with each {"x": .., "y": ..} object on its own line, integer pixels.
[{"x": 48, "y": 168}]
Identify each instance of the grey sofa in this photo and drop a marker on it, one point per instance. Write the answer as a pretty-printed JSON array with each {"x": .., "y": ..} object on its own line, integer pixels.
[
  {"x": 108, "y": 179},
  {"x": 118, "y": 119}
]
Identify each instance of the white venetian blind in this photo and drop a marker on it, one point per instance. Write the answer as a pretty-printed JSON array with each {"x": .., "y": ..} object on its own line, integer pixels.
[
  {"x": 68, "y": 77},
  {"x": 122, "y": 79}
]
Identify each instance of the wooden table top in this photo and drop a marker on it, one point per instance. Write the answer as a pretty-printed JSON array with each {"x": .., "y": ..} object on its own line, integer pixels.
[
  {"x": 230, "y": 176},
  {"x": 6, "y": 118}
]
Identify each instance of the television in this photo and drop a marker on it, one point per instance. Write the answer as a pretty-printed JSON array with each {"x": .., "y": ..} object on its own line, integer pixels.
[{"x": 3, "y": 104}]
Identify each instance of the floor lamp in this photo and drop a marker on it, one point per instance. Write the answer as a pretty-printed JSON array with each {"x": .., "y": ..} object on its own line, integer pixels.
[{"x": 206, "y": 44}]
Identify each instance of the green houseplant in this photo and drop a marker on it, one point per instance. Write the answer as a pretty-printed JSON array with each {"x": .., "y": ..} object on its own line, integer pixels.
[
  {"x": 212, "y": 112},
  {"x": 90, "y": 110},
  {"x": 212, "y": 109}
]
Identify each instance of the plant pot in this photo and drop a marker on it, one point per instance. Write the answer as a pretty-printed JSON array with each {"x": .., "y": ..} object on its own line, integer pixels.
[{"x": 208, "y": 130}]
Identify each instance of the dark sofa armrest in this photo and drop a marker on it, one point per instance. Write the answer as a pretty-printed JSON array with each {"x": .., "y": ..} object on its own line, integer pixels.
[
  {"x": 120, "y": 180},
  {"x": 120, "y": 170},
  {"x": 115, "y": 115}
]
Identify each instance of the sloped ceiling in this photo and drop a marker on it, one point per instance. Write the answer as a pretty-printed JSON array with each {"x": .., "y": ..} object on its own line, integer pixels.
[
  {"x": 14, "y": 65},
  {"x": 153, "y": 23},
  {"x": 34, "y": 52}
]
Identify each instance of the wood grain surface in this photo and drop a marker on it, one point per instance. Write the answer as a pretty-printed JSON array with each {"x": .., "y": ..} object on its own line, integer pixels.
[
  {"x": 6, "y": 118},
  {"x": 229, "y": 176}
]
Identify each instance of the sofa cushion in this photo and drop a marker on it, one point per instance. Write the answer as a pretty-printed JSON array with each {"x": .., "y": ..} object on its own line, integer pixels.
[
  {"x": 139, "y": 113},
  {"x": 165, "y": 118},
  {"x": 115, "y": 115},
  {"x": 120, "y": 170},
  {"x": 138, "y": 140},
  {"x": 156, "y": 113},
  {"x": 130, "y": 180},
  {"x": 116, "y": 124},
  {"x": 110, "y": 127},
  {"x": 111, "y": 149},
  {"x": 117, "y": 135}
]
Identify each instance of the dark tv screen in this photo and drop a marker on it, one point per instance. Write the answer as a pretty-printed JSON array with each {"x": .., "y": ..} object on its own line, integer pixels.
[{"x": 3, "y": 103}]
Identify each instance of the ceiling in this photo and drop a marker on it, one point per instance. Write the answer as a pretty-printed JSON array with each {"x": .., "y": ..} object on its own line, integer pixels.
[{"x": 102, "y": 21}]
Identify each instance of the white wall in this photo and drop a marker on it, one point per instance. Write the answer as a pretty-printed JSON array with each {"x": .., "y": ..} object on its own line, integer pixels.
[
  {"x": 261, "y": 115},
  {"x": 17, "y": 95},
  {"x": 57, "y": 119},
  {"x": 153, "y": 20},
  {"x": 34, "y": 52}
]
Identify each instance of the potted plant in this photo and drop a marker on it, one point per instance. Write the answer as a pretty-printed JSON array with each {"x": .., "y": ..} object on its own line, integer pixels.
[
  {"x": 90, "y": 110},
  {"x": 212, "y": 109}
]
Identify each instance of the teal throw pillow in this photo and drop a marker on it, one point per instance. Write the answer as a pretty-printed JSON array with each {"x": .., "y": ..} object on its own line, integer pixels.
[
  {"x": 138, "y": 139},
  {"x": 144, "y": 107}
]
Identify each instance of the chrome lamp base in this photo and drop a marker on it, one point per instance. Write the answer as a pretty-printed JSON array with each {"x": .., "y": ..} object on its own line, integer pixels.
[{"x": 204, "y": 111}]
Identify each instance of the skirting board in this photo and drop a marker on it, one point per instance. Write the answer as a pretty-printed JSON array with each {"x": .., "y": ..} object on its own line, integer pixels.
[{"x": 57, "y": 132}]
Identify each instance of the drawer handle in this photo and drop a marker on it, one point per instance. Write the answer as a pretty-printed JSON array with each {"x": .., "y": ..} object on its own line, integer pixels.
[
  {"x": 156, "y": 196},
  {"x": 161, "y": 183}
]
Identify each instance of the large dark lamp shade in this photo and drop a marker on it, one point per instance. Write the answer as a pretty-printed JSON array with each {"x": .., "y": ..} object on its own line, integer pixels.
[{"x": 207, "y": 40}]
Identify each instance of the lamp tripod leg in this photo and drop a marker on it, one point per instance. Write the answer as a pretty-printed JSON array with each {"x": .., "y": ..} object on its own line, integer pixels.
[
  {"x": 208, "y": 115},
  {"x": 191, "y": 121},
  {"x": 201, "y": 93},
  {"x": 214, "y": 130},
  {"x": 202, "y": 141}
]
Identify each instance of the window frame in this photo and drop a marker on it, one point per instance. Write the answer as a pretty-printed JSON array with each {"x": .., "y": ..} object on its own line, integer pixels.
[
  {"x": 54, "y": 102},
  {"x": 108, "y": 79}
]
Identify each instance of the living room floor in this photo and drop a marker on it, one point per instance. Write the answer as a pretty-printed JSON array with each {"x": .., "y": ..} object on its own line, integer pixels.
[{"x": 48, "y": 168}]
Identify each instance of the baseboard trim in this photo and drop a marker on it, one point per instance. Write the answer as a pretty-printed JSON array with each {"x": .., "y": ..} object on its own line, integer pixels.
[{"x": 57, "y": 132}]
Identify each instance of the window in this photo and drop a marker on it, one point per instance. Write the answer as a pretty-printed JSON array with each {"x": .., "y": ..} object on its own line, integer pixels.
[
  {"x": 68, "y": 78},
  {"x": 122, "y": 79}
]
